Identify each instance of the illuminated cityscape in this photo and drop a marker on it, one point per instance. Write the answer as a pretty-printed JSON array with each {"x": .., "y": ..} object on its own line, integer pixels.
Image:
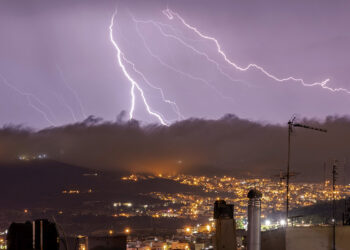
[{"x": 235, "y": 190}]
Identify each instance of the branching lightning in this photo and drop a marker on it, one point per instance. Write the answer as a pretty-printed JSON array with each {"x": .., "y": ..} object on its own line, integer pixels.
[
  {"x": 29, "y": 98},
  {"x": 75, "y": 94},
  {"x": 64, "y": 103},
  {"x": 124, "y": 62},
  {"x": 134, "y": 85},
  {"x": 172, "y": 68},
  {"x": 172, "y": 104},
  {"x": 181, "y": 41},
  {"x": 171, "y": 14}
]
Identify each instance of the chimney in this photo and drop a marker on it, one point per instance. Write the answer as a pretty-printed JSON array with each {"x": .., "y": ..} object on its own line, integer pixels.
[{"x": 254, "y": 211}]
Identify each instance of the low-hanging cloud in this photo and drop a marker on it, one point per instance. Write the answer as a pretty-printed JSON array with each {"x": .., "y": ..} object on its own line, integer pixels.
[{"x": 228, "y": 145}]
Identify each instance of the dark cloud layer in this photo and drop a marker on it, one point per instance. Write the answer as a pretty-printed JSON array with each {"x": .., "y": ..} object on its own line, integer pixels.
[{"x": 228, "y": 145}]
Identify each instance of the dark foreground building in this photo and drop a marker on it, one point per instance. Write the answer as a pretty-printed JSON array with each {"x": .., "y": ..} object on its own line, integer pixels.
[
  {"x": 225, "y": 237},
  {"x": 36, "y": 235}
]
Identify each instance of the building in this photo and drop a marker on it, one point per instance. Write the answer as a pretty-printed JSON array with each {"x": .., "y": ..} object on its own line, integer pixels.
[
  {"x": 39, "y": 234},
  {"x": 20, "y": 236},
  {"x": 225, "y": 237}
]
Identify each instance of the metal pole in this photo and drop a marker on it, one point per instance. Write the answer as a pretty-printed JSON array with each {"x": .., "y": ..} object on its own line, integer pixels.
[
  {"x": 291, "y": 124},
  {"x": 34, "y": 234},
  {"x": 324, "y": 175},
  {"x": 41, "y": 235},
  {"x": 254, "y": 220},
  {"x": 288, "y": 174},
  {"x": 334, "y": 172}
]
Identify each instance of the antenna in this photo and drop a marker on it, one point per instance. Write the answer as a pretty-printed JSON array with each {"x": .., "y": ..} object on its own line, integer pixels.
[
  {"x": 283, "y": 175},
  {"x": 324, "y": 174},
  {"x": 291, "y": 125},
  {"x": 64, "y": 240},
  {"x": 334, "y": 174}
]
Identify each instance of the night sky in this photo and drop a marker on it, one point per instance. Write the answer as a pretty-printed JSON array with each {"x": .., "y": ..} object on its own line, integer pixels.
[
  {"x": 225, "y": 76},
  {"x": 58, "y": 64}
]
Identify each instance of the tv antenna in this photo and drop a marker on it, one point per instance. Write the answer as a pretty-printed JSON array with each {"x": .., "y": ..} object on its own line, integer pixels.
[{"x": 292, "y": 124}]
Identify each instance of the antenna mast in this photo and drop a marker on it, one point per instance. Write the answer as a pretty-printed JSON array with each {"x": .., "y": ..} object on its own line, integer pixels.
[
  {"x": 291, "y": 124},
  {"x": 334, "y": 174}
]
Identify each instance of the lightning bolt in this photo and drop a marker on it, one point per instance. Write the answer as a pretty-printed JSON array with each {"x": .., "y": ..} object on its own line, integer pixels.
[
  {"x": 64, "y": 103},
  {"x": 134, "y": 85},
  {"x": 29, "y": 98},
  {"x": 208, "y": 58},
  {"x": 75, "y": 94},
  {"x": 171, "y": 14},
  {"x": 172, "y": 104},
  {"x": 176, "y": 70}
]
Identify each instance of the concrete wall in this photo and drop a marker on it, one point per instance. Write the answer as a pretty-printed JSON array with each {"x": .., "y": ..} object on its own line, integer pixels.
[
  {"x": 318, "y": 238},
  {"x": 225, "y": 236},
  {"x": 310, "y": 238},
  {"x": 273, "y": 240}
]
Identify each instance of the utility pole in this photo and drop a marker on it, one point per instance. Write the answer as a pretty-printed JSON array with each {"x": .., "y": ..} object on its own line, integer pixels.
[
  {"x": 292, "y": 124},
  {"x": 290, "y": 130},
  {"x": 324, "y": 174},
  {"x": 334, "y": 174}
]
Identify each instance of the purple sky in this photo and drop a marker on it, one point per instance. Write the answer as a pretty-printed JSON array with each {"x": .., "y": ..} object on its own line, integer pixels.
[{"x": 58, "y": 57}]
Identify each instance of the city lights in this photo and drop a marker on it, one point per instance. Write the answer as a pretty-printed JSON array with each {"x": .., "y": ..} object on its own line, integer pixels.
[
  {"x": 193, "y": 205},
  {"x": 282, "y": 222}
]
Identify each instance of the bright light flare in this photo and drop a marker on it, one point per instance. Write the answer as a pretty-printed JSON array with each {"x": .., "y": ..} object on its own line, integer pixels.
[{"x": 282, "y": 222}]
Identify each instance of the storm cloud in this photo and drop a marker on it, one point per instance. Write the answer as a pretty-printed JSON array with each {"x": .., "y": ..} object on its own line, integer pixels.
[{"x": 229, "y": 145}]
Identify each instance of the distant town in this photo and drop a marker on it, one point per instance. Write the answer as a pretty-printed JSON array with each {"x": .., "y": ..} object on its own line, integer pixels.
[
  {"x": 235, "y": 190},
  {"x": 195, "y": 210}
]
